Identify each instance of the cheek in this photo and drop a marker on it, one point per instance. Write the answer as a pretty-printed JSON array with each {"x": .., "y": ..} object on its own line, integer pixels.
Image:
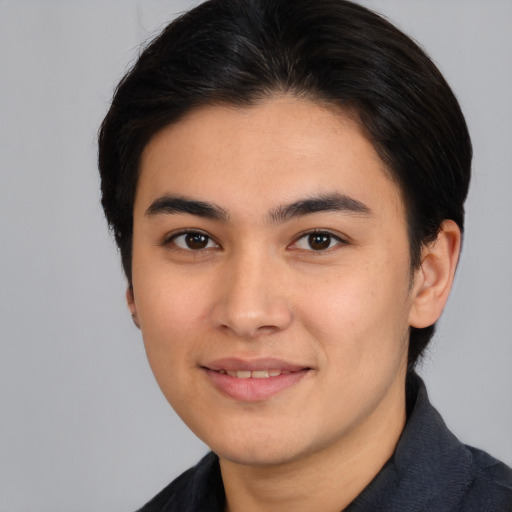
[
  {"x": 359, "y": 315},
  {"x": 171, "y": 310},
  {"x": 172, "y": 314}
]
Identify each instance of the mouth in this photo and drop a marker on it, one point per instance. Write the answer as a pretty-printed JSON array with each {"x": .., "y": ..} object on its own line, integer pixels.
[
  {"x": 251, "y": 381},
  {"x": 255, "y": 374}
]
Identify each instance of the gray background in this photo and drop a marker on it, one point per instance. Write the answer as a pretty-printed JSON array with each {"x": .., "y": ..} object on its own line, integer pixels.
[{"x": 83, "y": 426}]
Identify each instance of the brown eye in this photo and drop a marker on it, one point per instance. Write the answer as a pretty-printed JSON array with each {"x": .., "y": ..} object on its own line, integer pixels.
[
  {"x": 193, "y": 241},
  {"x": 196, "y": 240},
  {"x": 319, "y": 241}
]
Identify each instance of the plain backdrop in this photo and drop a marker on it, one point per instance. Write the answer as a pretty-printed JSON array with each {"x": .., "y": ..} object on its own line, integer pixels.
[{"x": 83, "y": 426}]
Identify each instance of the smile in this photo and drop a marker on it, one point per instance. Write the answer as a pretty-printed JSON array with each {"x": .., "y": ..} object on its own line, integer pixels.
[
  {"x": 253, "y": 381},
  {"x": 256, "y": 374}
]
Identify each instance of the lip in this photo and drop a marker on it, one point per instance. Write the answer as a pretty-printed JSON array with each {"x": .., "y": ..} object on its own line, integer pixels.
[
  {"x": 253, "y": 389},
  {"x": 234, "y": 363}
]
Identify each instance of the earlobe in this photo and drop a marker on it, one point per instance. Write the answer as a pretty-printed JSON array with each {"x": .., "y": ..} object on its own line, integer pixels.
[
  {"x": 130, "y": 300},
  {"x": 433, "y": 280}
]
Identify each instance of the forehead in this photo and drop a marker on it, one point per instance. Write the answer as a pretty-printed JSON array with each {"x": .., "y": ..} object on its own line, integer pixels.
[{"x": 279, "y": 149}]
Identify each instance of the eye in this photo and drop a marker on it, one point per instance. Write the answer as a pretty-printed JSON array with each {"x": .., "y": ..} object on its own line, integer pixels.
[
  {"x": 193, "y": 241},
  {"x": 318, "y": 241}
]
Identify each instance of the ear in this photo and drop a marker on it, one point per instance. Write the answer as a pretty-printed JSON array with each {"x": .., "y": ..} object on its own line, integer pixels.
[
  {"x": 433, "y": 280},
  {"x": 130, "y": 300}
]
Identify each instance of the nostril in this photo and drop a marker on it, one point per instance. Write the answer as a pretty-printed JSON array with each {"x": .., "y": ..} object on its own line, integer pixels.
[{"x": 248, "y": 331}]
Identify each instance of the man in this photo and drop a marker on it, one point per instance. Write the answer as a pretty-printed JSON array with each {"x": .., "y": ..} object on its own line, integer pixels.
[{"x": 285, "y": 180}]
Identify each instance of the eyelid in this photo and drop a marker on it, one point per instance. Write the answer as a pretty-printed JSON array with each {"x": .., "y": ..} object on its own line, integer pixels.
[
  {"x": 170, "y": 237},
  {"x": 318, "y": 231}
]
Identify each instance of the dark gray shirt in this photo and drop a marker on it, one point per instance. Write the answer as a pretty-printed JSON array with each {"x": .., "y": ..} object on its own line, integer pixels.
[{"x": 430, "y": 471}]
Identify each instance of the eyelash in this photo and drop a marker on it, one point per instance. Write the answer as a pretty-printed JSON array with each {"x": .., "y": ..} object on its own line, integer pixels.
[
  {"x": 208, "y": 239},
  {"x": 194, "y": 232},
  {"x": 319, "y": 232}
]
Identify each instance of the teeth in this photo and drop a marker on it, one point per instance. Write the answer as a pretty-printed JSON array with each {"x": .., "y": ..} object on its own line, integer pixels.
[
  {"x": 260, "y": 374},
  {"x": 242, "y": 374},
  {"x": 256, "y": 374}
]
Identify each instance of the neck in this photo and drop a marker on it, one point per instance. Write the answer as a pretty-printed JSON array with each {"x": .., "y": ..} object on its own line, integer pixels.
[{"x": 327, "y": 480}]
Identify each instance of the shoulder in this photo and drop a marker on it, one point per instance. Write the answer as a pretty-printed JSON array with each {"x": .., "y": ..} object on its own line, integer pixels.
[
  {"x": 431, "y": 470},
  {"x": 199, "y": 489},
  {"x": 490, "y": 485}
]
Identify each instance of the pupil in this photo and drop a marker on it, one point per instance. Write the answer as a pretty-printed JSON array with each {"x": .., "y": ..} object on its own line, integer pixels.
[
  {"x": 319, "y": 241},
  {"x": 196, "y": 240}
]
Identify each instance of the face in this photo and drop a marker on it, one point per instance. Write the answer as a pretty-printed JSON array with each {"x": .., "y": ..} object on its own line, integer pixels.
[{"x": 271, "y": 279}]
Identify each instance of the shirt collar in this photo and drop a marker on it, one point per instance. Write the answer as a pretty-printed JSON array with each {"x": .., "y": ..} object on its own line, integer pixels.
[{"x": 430, "y": 469}]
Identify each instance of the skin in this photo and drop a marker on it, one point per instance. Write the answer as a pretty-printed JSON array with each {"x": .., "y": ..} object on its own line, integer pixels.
[{"x": 255, "y": 287}]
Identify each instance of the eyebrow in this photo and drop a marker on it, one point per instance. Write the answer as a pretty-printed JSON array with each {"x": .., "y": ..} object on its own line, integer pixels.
[
  {"x": 170, "y": 204},
  {"x": 323, "y": 203},
  {"x": 177, "y": 204}
]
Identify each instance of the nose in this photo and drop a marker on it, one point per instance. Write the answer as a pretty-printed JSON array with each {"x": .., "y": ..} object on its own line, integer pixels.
[{"x": 252, "y": 299}]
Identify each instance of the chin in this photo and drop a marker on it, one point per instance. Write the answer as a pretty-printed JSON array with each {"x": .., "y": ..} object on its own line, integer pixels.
[
  {"x": 261, "y": 450},
  {"x": 255, "y": 457}
]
